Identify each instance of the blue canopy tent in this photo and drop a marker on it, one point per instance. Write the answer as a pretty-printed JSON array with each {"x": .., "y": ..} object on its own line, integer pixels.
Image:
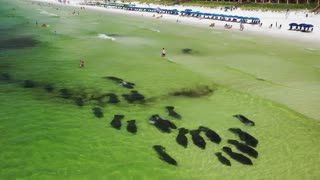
[
  {"x": 207, "y": 15},
  {"x": 220, "y": 16},
  {"x": 293, "y": 24},
  {"x": 186, "y": 12},
  {"x": 196, "y": 14},
  {"x": 310, "y": 26},
  {"x": 306, "y": 28},
  {"x": 254, "y": 20},
  {"x": 227, "y": 8},
  {"x": 174, "y": 11},
  {"x": 300, "y": 26}
]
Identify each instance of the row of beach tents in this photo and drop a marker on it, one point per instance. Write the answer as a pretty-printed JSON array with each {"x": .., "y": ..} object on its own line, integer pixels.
[
  {"x": 301, "y": 27},
  {"x": 186, "y": 12}
]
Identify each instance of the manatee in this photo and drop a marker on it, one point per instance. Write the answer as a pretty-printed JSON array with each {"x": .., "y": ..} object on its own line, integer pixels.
[
  {"x": 244, "y": 148},
  {"x": 5, "y": 77},
  {"x": 79, "y": 101},
  {"x": 113, "y": 98},
  {"x": 162, "y": 124},
  {"x": 126, "y": 84},
  {"x": 238, "y": 157},
  {"x": 186, "y": 50},
  {"x": 48, "y": 87},
  {"x": 223, "y": 159},
  {"x": 212, "y": 135},
  {"x": 244, "y": 120},
  {"x": 163, "y": 155},
  {"x": 172, "y": 112},
  {"x": 116, "y": 79},
  {"x": 246, "y": 137},
  {"x": 97, "y": 112},
  {"x": 197, "y": 139},
  {"x": 182, "y": 138},
  {"x": 65, "y": 93},
  {"x": 116, "y": 122},
  {"x": 28, "y": 84},
  {"x": 133, "y": 97},
  {"x": 131, "y": 127}
]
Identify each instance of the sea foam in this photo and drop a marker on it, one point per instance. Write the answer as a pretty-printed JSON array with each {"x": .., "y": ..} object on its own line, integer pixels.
[
  {"x": 47, "y": 13},
  {"x": 103, "y": 36}
]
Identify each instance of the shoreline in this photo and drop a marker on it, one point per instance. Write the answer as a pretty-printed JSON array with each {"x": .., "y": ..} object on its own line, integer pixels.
[{"x": 267, "y": 18}]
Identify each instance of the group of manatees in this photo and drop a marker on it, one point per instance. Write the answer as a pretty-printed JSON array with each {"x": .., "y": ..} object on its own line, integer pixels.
[{"x": 246, "y": 145}]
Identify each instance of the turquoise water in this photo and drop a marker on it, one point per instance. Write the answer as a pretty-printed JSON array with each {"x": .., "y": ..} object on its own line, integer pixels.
[{"x": 44, "y": 136}]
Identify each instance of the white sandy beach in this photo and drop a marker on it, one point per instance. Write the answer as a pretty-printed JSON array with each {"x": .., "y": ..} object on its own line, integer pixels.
[{"x": 266, "y": 17}]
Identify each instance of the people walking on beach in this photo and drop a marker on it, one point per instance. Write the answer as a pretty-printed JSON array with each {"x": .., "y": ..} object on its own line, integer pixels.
[
  {"x": 163, "y": 53},
  {"x": 227, "y": 26},
  {"x": 81, "y": 63},
  {"x": 241, "y": 27}
]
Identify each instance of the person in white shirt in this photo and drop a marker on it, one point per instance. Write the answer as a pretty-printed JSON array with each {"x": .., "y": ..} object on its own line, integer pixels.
[{"x": 163, "y": 52}]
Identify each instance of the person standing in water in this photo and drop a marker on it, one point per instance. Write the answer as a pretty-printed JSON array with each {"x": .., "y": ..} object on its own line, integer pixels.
[
  {"x": 81, "y": 63},
  {"x": 163, "y": 52}
]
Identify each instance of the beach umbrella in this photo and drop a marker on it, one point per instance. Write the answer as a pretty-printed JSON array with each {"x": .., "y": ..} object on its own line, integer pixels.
[
  {"x": 293, "y": 24},
  {"x": 302, "y": 25}
]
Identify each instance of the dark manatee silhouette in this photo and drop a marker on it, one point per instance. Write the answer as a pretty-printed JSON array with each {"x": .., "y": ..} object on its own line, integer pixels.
[
  {"x": 132, "y": 127},
  {"x": 197, "y": 139},
  {"x": 246, "y": 137},
  {"x": 105, "y": 98},
  {"x": 126, "y": 84},
  {"x": 65, "y": 93},
  {"x": 115, "y": 35},
  {"x": 162, "y": 124},
  {"x": 97, "y": 112},
  {"x": 133, "y": 97},
  {"x": 116, "y": 122},
  {"x": 244, "y": 148},
  {"x": 238, "y": 157},
  {"x": 113, "y": 98},
  {"x": 79, "y": 101},
  {"x": 223, "y": 159},
  {"x": 5, "y": 77},
  {"x": 244, "y": 120},
  {"x": 48, "y": 87},
  {"x": 172, "y": 113},
  {"x": 102, "y": 99},
  {"x": 28, "y": 84},
  {"x": 212, "y": 135},
  {"x": 186, "y": 50},
  {"x": 116, "y": 79},
  {"x": 182, "y": 138},
  {"x": 19, "y": 43},
  {"x": 163, "y": 155}
]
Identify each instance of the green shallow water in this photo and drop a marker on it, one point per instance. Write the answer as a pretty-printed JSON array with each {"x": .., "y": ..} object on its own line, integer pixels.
[{"x": 47, "y": 137}]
